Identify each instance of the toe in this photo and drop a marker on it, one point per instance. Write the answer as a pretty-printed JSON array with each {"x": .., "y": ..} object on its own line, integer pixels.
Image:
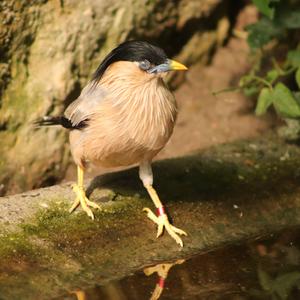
[
  {"x": 151, "y": 215},
  {"x": 89, "y": 213},
  {"x": 173, "y": 234},
  {"x": 176, "y": 238},
  {"x": 179, "y": 231},
  {"x": 87, "y": 209},
  {"x": 74, "y": 205},
  {"x": 92, "y": 204},
  {"x": 160, "y": 230},
  {"x": 163, "y": 222},
  {"x": 179, "y": 242}
]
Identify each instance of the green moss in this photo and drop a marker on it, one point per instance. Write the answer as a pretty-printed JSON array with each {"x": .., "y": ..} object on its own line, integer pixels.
[
  {"x": 67, "y": 230},
  {"x": 16, "y": 245},
  {"x": 56, "y": 235}
]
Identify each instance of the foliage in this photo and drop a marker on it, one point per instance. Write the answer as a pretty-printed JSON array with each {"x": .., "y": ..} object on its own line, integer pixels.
[
  {"x": 279, "y": 287},
  {"x": 276, "y": 29}
]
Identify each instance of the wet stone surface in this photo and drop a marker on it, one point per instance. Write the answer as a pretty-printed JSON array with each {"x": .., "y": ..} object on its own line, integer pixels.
[{"x": 267, "y": 268}]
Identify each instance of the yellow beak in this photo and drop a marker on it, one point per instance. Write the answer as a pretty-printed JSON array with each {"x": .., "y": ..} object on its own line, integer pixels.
[
  {"x": 174, "y": 65},
  {"x": 169, "y": 65}
]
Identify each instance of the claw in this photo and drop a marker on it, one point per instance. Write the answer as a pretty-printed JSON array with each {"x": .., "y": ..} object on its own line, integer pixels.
[
  {"x": 151, "y": 215},
  {"x": 160, "y": 230},
  {"x": 92, "y": 204},
  {"x": 178, "y": 230},
  {"x": 89, "y": 212},
  {"x": 82, "y": 200},
  {"x": 74, "y": 205},
  {"x": 163, "y": 222}
]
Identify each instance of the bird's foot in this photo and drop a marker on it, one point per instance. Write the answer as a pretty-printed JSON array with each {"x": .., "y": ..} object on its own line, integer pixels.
[
  {"x": 82, "y": 200},
  {"x": 163, "y": 222}
]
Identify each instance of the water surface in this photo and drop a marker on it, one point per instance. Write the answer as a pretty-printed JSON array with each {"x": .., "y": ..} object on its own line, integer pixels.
[{"x": 267, "y": 268}]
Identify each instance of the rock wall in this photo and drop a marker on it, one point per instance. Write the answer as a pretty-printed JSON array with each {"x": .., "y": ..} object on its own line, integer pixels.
[{"x": 48, "y": 51}]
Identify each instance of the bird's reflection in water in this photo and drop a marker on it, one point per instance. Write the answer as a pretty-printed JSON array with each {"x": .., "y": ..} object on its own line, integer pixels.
[
  {"x": 80, "y": 295},
  {"x": 162, "y": 271},
  {"x": 261, "y": 269},
  {"x": 114, "y": 292}
]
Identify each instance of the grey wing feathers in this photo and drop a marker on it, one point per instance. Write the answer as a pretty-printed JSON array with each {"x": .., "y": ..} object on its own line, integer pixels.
[{"x": 84, "y": 106}]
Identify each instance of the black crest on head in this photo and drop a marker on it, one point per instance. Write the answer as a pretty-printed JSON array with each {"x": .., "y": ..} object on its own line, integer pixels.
[{"x": 131, "y": 51}]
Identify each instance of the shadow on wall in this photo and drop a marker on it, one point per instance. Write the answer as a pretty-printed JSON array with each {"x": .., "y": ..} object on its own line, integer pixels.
[{"x": 229, "y": 173}]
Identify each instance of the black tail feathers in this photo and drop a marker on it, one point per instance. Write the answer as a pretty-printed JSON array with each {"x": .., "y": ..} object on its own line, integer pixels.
[{"x": 61, "y": 120}]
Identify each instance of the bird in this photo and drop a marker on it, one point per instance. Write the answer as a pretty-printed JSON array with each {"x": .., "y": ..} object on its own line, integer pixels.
[{"x": 124, "y": 116}]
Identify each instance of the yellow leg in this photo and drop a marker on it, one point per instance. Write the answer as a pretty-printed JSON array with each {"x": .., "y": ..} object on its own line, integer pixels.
[
  {"x": 162, "y": 271},
  {"x": 81, "y": 198},
  {"x": 162, "y": 219},
  {"x": 80, "y": 295}
]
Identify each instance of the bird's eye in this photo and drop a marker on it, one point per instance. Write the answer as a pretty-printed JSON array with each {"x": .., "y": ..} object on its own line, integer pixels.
[{"x": 145, "y": 65}]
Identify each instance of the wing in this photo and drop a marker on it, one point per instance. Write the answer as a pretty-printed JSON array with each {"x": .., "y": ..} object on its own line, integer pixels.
[{"x": 84, "y": 106}]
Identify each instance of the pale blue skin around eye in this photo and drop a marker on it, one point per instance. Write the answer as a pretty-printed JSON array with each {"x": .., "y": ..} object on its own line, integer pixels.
[{"x": 165, "y": 67}]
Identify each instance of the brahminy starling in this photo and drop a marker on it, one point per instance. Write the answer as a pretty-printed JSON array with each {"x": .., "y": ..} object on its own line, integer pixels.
[{"x": 125, "y": 115}]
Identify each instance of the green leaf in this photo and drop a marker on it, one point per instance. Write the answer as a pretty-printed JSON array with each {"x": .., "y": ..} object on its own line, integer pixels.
[
  {"x": 297, "y": 96},
  {"x": 297, "y": 77},
  {"x": 285, "y": 103},
  {"x": 245, "y": 80},
  {"x": 264, "y": 101},
  {"x": 284, "y": 284},
  {"x": 262, "y": 32},
  {"x": 250, "y": 90},
  {"x": 265, "y": 280},
  {"x": 293, "y": 58},
  {"x": 264, "y": 7},
  {"x": 272, "y": 75}
]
